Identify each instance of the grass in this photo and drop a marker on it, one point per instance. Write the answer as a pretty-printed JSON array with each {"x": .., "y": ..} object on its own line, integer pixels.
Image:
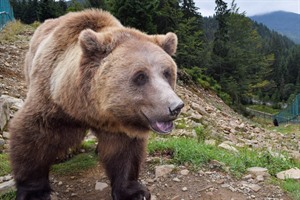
[
  {"x": 264, "y": 108},
  {"x": 89, "y": 145},
  {"x": 189, "y": 151},
  {"x": 293, "y": 187},
  {"x": 12, "y": 31},
  {"x": 8, "y": 196},
  {"x": 77, "y": 164},
  {"x": 282, "y": 128},
  {"x": 4, "y": 165},
  {"x": 185, "y": 151}
]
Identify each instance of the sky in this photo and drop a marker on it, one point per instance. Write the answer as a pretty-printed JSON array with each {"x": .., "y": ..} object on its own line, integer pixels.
[{"x": 251, "y": 7}]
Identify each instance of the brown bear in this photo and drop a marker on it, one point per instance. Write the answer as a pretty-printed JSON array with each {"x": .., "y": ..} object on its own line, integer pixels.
[{"x": 86, "y": 71}]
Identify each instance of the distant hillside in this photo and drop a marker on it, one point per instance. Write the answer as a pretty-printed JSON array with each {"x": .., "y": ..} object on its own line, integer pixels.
[{"x": 286, "y": 23}]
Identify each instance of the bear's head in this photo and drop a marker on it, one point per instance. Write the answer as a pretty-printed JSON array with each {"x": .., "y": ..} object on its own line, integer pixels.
[{"x": 135, "y": 79}]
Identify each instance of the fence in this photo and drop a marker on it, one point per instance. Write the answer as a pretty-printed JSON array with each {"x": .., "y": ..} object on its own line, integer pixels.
[
  {"x": 260, "y": 114},
  {"x": 290, "y": 113},
  {"x": 6, "y": 13}
]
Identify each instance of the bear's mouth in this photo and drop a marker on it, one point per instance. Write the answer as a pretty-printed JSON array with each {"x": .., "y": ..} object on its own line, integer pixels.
[{"x": 162, "y": 127}]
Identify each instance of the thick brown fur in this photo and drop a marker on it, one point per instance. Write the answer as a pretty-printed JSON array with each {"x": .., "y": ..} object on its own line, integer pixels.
[{"x": 84, "y": 72}]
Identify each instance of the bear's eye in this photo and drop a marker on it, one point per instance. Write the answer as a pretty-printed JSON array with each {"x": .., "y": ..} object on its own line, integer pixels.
[
  {"x": 140, "y": 79},
  {"x": 167, "y": 74}
]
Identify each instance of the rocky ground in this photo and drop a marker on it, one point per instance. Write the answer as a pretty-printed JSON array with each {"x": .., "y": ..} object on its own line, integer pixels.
[{"x": 203, "y": 108}]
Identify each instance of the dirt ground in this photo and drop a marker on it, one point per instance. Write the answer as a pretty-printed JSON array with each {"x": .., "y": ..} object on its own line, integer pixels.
[{"x": 206, "y": 184}]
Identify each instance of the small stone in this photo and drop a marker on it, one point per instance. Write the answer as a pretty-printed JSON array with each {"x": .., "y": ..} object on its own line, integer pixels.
[
  {"x": 100, "y": 186},
  {"x": 249, "y": 176},
  {"x": 60, "y": 183},
  {"x": 5, "y": 186},
  {"x": 2, "y": 142},
  {"x": 176, "y": 179},
  {"x": 258, "y": 171},
  {"x": 184, "y": 172},
  {"x": 260, "y": 178},
  {"x": 293, "y": 173},
  {"x": 177, "y": 197},
  {"x": 150, "y": 180},
  {"x": 210, "y": 142},
  {"x": 220, "y": 181},
  {"x": 6, "y": 135},
  {"x": 163, "y": 170},
  {"x": 228, "y": 147},
  {"x": 184, "y": 189},
  {"x": 7, "y": 177},
  {"x": 73, "y": 194},
  {"x": 254, "y": 187}
]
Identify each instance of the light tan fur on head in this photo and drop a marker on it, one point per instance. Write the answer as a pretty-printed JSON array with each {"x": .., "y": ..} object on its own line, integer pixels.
[{"x": 90, "y": 58}]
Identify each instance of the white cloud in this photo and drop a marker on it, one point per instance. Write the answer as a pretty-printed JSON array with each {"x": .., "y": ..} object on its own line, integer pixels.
[{"x": 252, "y": 7}]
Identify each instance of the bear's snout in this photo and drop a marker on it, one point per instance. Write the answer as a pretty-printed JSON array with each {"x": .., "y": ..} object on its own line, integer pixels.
[{"x": 175, "y": 109}]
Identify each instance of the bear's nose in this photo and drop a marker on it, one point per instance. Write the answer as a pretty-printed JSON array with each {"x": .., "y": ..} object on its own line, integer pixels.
[{"x": 175, "y": 109}]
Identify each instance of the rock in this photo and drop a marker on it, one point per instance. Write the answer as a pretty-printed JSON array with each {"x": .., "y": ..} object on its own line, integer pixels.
[
  {"x": 260, "y": 178},
  {"x": 14, "y": 103},
  {"x": 2, "y": 142},
  {"x": 100, "y": 186},
  {"x": 4, "y": 113},
  {"x": 210, "y": 142},
  {"x": 209, "y": 109},
  {"x": 258, "y": 171},
  {"x": 293, "y": 173},
  {"x": 8, "y": 185},
  {"x": 198, "y": 108},
  {"x": 7, "y": 177},
  {"x": 184, "y": 189},
  {"x": 228, "y": 147},
  {"x": 163, "y": 170},
  {"x": 254, "y": 187},
  {"x": 216, "y": 164},
  {"x": 153, "y": 197},
  {"x": 196, "y": 117},
  {"x": 176, "y": 179},
  {"x": 184, "y": 172},
  {"x": 6, "y": 135},
  {"x": 295, "y": 155}
]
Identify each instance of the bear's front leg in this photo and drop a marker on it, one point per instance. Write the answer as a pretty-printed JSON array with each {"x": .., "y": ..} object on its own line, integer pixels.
[{"x": 122, "y": 157}]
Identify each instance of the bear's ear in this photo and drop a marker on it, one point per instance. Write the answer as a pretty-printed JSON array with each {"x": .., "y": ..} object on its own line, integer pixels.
[
  {"x": 92, "y": 42},
  {"x": 168, "y": 42}
]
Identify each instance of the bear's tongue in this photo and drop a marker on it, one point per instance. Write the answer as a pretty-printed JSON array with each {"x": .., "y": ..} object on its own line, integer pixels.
[{"x": 162, "y": 127}]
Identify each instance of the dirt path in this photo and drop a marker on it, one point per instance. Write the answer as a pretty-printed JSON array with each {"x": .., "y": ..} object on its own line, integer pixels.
[{"x": 204, "y": 184}]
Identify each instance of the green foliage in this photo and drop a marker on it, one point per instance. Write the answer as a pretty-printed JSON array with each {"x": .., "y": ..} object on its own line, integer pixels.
[
  {"x": 8, "y": 195},
  {"x": 78, "y": 163},
  {"x": 89, "y": 145},
  {"x": 201, "y": 133},
  {"x": 11, "y": 31},
  {"x": 293, "y": 187},
  {"x": 264, "y": 108},
  {"x": 75, "y": 6},
  {"x": 38, "y": 10},
  {"x": 197, "y": 154},
  {"x": 138, "y": 14},
  {"x": 4, "y": 165}
]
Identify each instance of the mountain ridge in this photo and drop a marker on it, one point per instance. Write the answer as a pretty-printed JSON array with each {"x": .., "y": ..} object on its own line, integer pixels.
[{"x": 285, "y": 23}]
